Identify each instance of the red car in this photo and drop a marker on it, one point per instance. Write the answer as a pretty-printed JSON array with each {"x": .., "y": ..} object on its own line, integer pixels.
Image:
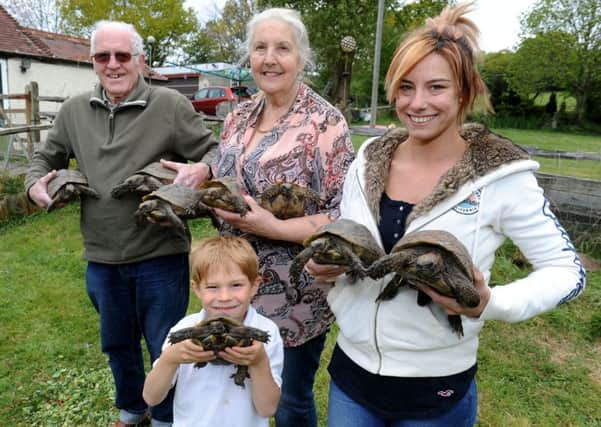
[{"x": 207, "y": 99}]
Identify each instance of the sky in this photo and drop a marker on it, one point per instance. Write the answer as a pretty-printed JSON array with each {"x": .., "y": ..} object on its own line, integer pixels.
[{"x": 498, "y": 20}]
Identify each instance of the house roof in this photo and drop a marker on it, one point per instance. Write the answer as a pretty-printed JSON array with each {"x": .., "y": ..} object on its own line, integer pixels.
[
  {"x": 61, "y": 46},
  {"x": 23, "y": 41},
  {"x": 13, "y": 38}
]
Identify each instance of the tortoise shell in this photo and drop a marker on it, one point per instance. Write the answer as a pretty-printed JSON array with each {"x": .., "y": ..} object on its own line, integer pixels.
[
  {"x": 64, "y": 177},
  {"x": 67, "y": 186},
  {"x": 177, "y": 195},
  {"x": 170, "y": 203},
  {"x": 434, "y": 258},
  {"x": 341, "y": 242},
  {"x": 157, "y": 170},
  {"x": 357, "y": 235},
  {"x": 223, "y": 193},
  {"x": 218, "y": 333},
  {"x": 145, "y": 180},
  {"x": 288, "y": 200},
  {"x": 438, "y": 238}
]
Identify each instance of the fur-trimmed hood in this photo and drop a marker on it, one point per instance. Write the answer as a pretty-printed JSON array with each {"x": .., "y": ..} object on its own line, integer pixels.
[{"x": 485, "y": 152}]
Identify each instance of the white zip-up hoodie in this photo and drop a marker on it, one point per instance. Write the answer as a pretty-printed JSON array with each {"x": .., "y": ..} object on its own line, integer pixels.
[{"x": 490, "y": 195}]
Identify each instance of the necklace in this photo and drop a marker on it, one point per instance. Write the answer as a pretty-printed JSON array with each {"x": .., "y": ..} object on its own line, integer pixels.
[
  {"x": 258, "y": 129},
  {"x": 285, "y": 110}
]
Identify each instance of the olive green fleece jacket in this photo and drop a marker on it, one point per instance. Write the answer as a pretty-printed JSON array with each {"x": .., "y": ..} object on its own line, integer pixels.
[{"x": 152, "y": 123}]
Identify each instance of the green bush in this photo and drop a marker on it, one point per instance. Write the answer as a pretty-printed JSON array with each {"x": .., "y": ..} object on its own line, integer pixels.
[{"x": 11, "y": 184}]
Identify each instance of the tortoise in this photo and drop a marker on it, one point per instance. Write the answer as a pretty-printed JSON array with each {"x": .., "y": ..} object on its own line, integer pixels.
[
  {"x": 435, "y": 258},
  {"x": 169, "y": 204},
  {"x": 68, "y": 185},
  {"x": 341, "y": 242},
  {"x": 288, "y": 200},
  {"x": 215, "y": 335},
  {"x": 223, "y": 193},
  {"x": 146, "y": 180}
]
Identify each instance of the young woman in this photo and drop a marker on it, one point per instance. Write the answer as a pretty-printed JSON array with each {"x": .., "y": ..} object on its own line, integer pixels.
[{"x": 397, "y": 363}]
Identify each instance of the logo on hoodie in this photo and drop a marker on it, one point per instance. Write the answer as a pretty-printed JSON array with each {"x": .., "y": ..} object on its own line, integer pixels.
[
  {"x": 446, "y": 393},
  {"x": 471, "y": 205}
]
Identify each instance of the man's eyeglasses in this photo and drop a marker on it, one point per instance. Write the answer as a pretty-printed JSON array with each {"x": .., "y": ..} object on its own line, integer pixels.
[{"x": 105, "y": 57}]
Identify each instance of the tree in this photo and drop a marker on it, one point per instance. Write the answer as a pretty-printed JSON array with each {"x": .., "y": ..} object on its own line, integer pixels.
[
  {"x": 537, "y": 66},
  {"x": 39, "y": 14},
  {"x": 166, "y": 20},
  {"x": 494, "y": 71},
  {"x": 575, "y": 28},
  {"x": 221, "y": 37}
]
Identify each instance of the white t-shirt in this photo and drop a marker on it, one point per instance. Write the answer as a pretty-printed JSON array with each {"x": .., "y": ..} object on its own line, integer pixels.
[{"x": 208, "y": 396}]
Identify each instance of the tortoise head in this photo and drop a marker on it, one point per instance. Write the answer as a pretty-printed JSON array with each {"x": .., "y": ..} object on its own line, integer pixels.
[
  {"x": 286, "y": 189},
  {"x": 428, "y": 264}
]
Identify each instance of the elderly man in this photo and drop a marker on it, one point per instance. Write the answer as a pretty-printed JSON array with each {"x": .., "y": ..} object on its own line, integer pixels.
[{"x": 137, "y": 277}]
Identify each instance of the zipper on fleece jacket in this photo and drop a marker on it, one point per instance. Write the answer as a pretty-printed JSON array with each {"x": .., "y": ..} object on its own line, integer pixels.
[
  {"x": 111, "y": 127},
  {"x": 376, "y": 339},
  {"x": 104, "y": 104}
]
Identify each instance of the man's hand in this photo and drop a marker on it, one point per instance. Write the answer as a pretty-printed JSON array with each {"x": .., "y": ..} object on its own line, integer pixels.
[
  {"x": 188, "y": 174},
  {"x": 38, "y": 192}
]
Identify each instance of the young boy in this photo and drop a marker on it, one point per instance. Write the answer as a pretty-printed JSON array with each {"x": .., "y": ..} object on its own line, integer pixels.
[{"x": 224, "y": 278}]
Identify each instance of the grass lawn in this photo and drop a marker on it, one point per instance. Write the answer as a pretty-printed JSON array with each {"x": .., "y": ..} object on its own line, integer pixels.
[
  {"x": 550, "y": 141},
  {"x": 543, "y": 372}
]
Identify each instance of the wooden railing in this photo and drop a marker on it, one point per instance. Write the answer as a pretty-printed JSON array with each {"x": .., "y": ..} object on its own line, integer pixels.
[{"x": 33, "y": 118}]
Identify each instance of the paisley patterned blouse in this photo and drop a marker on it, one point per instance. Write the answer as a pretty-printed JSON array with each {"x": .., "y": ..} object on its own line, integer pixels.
[{"x": 310, "y": 146}]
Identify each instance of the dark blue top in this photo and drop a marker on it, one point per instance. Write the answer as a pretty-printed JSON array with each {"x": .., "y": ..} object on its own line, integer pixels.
[
  {"x": 393, "y": 216},
  {"x": 397, "y": 397}
]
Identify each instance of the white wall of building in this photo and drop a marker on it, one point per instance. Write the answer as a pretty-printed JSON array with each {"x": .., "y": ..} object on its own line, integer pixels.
[{"x": 53, "y": 80}]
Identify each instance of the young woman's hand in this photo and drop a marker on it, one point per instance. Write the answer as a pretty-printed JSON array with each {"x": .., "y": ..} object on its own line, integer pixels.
[{"x": 453, "y": 307}]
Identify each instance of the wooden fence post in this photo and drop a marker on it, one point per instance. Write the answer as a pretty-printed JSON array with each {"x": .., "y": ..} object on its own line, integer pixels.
[{"x": 32, "y": 113}]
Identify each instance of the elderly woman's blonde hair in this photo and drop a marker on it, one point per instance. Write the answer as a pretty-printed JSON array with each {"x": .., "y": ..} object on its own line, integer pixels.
[{"x": 455, "y": 38}]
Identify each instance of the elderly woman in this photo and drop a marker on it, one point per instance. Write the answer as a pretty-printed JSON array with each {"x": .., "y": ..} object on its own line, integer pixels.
[
  {"x": 286, "y": 134},
  {"x": 397, "y": 363}
]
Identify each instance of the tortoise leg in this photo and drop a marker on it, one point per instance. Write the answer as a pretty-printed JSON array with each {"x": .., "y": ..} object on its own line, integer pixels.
[
  {"x": 456, "y": 324},
  {"x": 59, "y": 201},
  {"x": 173, "y": 218},
  {"x": 313, "y": 196},
  {"x": 152, "y": 184},
  {"x": 240, "y": 375},
  {"x": 387, "y": 264},
  {"x": 422, "y": 298},
  {"x": 357, "y": 271},
  {"x": 392, "y": 288},
  {"x": 88, "y": 191},
  {"x": 215, "y": 220},
  {"x": 140, "y": 218},
  {"x": 296, "y": 268}
]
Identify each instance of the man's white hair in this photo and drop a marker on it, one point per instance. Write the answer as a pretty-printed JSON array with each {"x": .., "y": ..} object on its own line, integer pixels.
[{"x": 137, "y": 43}]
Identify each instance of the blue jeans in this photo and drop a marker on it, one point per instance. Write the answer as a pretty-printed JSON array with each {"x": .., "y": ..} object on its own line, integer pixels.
[
  {"x": 138, "y": 299},
  {"x": 344, "y": 412},
  {"x": 297, "y": 405}
]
